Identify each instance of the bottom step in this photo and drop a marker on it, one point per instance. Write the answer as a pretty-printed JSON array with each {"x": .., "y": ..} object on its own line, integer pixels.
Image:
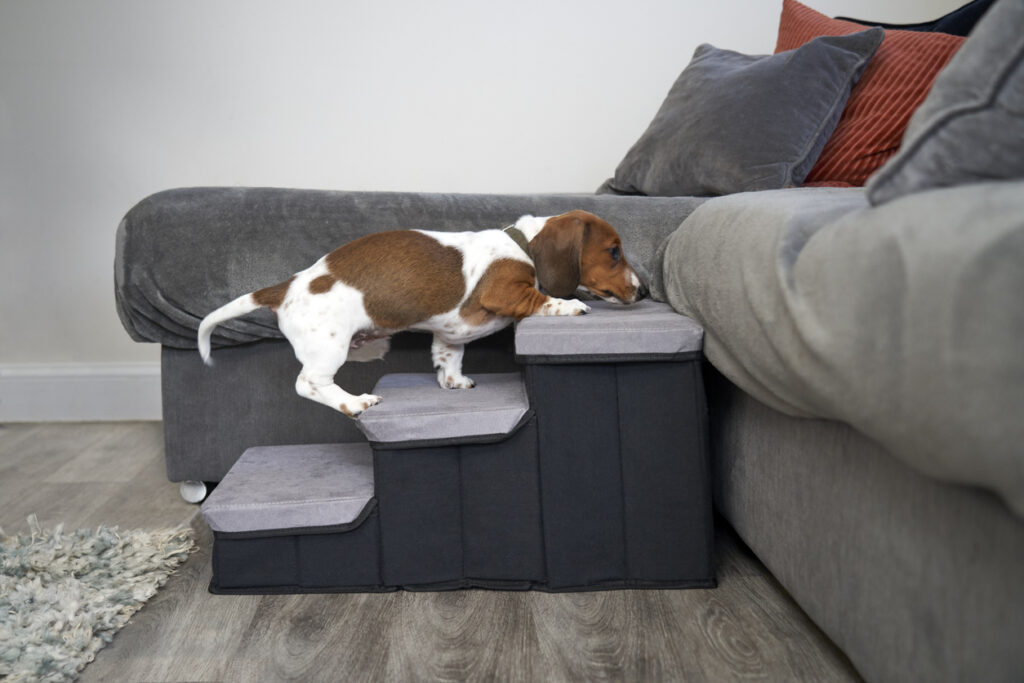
[{"x": 289, "y": 519}]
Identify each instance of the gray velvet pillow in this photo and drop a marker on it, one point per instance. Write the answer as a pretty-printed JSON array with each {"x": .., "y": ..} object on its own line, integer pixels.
[
  {"x": 971, "y": 126},
  {"x": 734, "y": 122}
]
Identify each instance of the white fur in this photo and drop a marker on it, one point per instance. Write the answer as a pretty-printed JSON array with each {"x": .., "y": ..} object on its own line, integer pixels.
[
  {"x": 531, "y": 225},
  {"x": 321, "y": 327},
  {"x": 240, "y": 306}
]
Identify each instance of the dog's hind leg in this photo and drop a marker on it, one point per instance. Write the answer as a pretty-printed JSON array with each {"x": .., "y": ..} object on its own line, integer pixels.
[
  {"x": 316, "y": 382},
  {"x": 320, "y": 329},
  {"x": 322, "y": 356}
]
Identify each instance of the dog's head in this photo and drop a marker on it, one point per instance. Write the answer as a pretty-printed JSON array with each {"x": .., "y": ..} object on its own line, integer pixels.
[{"x": 578, "y": 250}]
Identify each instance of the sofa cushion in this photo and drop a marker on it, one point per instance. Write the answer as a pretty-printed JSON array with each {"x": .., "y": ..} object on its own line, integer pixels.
[
  {"x": 959, "y": 22},
  {"x": 734, "y": 122},
  {"x": 880, "y": 105},
  {"x": 903, "y": 320},
  {"x": 971, "y": 126}
]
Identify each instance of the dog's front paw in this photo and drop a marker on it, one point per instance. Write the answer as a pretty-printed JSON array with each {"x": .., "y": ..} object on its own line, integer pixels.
[
  {"x": 577, "y": 307},
  {"x": 355, "y": 406},
  {"x": 450, "y": 381},
  {"x": 564, "y": 307}
]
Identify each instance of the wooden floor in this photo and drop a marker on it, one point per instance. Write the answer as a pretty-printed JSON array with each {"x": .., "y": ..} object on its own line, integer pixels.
[{"x": 113, "y": 473}]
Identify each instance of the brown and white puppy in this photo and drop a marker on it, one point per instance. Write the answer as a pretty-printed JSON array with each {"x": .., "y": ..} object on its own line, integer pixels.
[{"x": 459, "y": 286}]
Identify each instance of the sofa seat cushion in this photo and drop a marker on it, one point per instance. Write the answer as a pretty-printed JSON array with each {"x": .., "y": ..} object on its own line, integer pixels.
[{"x": 902, "y": 320}]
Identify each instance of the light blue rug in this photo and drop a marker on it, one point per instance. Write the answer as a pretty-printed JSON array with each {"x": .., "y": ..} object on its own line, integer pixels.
[{"x": 63, "y": 595}]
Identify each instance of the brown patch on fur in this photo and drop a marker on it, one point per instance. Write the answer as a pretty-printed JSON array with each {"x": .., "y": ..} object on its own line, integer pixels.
[
  {"x": 321, "y": 284},
  {"x": 576, "y": 249},
  {"x": 556, "y": 252},
  {"x": 404, "y": 275},
  {"x": 272, "y": 296},
  {"x": 506, "y": 289}
]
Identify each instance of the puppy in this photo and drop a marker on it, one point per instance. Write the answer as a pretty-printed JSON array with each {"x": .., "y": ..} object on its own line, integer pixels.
[{"x": 458, "y": 286}]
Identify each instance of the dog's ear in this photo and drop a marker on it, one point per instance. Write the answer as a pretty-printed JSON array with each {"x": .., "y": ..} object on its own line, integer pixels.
[{"x": 556, "y": 254}]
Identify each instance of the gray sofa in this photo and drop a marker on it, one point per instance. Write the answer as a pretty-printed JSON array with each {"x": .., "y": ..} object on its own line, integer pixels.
[
  {"x": 867, "y": 406},
  {"x": 865, "y": 363}
]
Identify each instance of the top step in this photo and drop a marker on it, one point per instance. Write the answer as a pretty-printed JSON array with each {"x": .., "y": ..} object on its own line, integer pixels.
[{"x": 647, "y": 330}]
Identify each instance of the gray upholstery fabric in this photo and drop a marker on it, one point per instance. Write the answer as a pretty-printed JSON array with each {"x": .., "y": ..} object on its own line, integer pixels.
[
  {"x": 971, "y": 126},
  {"x": 644, "y": 328},
  {"x": 182, "y": 253},
  {"x": 292, "y": 487},
  {"x": 733, "y": 122},
  {"x": 914, "y": 579},
  {"x": 903, "y": 320},
  {"x": 415, "y": 408}
]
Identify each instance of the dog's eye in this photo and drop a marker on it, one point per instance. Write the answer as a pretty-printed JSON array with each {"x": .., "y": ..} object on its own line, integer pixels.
[{"x": 616, "y": 254}]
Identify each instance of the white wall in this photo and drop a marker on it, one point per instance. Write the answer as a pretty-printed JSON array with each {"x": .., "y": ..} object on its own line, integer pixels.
[{"x": 107, "y": 101}]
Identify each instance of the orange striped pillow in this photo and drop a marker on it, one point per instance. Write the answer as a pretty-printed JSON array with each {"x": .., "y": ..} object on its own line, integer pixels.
[{"x": 894, "y": 83}]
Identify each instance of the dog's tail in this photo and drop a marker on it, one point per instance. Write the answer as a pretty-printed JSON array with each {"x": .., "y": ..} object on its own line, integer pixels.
[{"x": 240, "y": 306}]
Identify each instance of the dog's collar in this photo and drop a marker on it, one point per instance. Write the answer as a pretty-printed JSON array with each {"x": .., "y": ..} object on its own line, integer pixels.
[{"x": 519, "y": 238}]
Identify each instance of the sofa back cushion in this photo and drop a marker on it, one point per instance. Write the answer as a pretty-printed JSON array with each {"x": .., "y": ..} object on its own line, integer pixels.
[
  {"x": 971, "y": 126},
  {"x": 894, "y": 84},
  {"x": 737, "y": 123}
]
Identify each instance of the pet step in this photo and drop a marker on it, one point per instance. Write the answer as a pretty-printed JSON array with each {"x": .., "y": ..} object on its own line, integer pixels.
[
  {"x": 417, "y": 410},
  {"x": 586, "y": 470},
  {"x": 293, "y": 487},
  {"x": 647, "y": 330}
]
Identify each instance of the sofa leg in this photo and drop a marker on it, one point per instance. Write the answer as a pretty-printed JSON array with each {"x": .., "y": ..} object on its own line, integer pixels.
[{"x": 193, "y": 491}]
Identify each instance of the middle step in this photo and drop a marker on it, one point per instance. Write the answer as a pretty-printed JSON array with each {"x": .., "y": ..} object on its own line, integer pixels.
[{"x": 459, "y": 472}]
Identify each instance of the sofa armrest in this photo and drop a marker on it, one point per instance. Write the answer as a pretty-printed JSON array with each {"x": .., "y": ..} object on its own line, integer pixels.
[{"x": 181, "y": 253}]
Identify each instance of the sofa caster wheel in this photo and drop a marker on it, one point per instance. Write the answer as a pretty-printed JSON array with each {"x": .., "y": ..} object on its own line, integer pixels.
[{"x": 193, "y": 491}]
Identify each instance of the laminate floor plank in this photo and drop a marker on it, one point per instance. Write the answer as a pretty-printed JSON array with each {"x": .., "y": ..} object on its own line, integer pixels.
[
  {"x": 308, "y": 638},
  {"x": 86, "y": 474},
  {"x": 473, "y": 635},
  {"x": 30, "y": 453},
  {"x": 13, "y": 442},
  {"x": 73, "y": 505},
  {"x": 102, "y": 460}
]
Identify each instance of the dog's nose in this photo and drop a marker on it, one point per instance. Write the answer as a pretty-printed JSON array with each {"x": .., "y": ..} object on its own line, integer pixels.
[
  {"x": 639, "y": 283},
  {"x": 638, "y": 277}
]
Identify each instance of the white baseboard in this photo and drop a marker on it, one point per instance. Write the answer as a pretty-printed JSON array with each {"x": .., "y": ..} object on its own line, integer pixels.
[{"x": 79, "y": 392}]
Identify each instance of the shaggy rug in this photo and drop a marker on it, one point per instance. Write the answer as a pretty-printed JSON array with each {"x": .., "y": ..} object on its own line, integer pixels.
[{"x": 63, "y": 595}]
